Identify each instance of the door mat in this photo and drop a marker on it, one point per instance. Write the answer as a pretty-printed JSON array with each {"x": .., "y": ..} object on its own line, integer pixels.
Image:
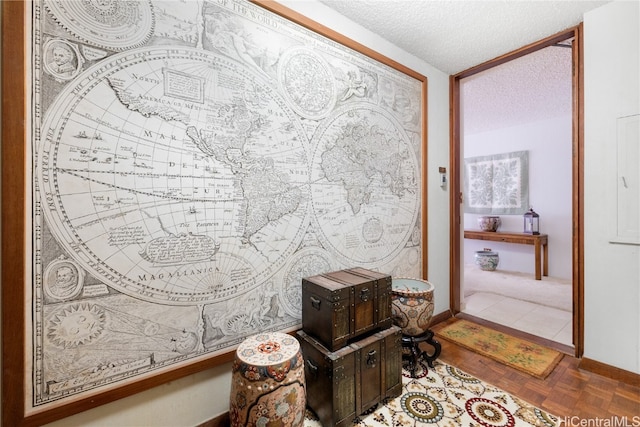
[
  {"x": 534, "y": 359},
  {"x": 447, "y": 396}
]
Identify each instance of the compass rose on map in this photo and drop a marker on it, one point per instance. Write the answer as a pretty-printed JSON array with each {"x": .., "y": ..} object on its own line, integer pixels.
[{"x": 174, "y": 175}]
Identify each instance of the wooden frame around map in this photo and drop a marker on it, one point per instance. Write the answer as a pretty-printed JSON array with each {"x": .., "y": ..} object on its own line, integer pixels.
[{"x": 16, "y": 238}]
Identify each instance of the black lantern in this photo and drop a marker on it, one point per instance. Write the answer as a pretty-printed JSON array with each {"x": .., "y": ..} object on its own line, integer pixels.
[{"x": 531, "y": 222}]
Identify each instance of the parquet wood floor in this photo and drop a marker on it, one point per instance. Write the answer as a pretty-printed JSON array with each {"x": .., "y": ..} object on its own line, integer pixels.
[{"x": 566, "y": 392}]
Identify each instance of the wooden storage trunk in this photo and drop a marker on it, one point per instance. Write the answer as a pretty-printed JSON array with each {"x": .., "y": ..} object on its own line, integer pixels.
[
  {"x": 345, "y": 383},
  {"x": 341, "y": 306}
]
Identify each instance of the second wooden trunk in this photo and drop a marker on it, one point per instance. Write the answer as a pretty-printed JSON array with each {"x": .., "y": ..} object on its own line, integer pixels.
[
  {"x": 345, "y": 383},
  {"x": 341, "y": 306}
]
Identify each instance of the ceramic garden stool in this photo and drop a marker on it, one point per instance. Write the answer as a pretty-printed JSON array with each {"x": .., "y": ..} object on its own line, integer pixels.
[
  {"x": 412, "y": 310},
  {"x": 267, "y": 382}
]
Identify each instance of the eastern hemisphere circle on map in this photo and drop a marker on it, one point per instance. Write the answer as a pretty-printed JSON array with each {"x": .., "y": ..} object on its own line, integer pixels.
[
  {"x": 174, "y": 175},
  {"x": 365, "y": 185}
]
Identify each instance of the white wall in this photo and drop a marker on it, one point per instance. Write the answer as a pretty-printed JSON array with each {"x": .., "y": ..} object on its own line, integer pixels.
[
  {"x": 612, "y": 271},
  {"x": 550, "y": 194},
  {"x": 200, "y": 397}
]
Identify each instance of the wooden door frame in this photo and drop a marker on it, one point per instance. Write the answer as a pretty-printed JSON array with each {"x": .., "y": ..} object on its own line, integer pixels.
[{"x": 455, "y": 195}]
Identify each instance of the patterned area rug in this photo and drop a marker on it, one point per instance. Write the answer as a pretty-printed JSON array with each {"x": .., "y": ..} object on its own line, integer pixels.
[
  {"x": 447, "y": 396},
  {"x": 520, "y": 354}
]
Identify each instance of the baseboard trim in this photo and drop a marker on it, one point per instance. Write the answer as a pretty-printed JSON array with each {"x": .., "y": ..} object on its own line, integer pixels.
[
  {"x": 609, "y": 371},
  {"x": 219, "y": 421},
  {"x": 440, "y": 317}
]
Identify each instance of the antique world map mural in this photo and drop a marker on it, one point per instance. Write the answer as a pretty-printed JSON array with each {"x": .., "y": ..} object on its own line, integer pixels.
[{"x": 192, "y": 161}]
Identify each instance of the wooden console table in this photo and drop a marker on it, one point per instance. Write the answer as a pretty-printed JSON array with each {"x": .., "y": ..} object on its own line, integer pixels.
[{"x": 539, "y": 241}]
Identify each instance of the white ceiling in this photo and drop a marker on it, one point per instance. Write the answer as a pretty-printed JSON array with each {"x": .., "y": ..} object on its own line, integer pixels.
[{"x": 454, "y": 35}]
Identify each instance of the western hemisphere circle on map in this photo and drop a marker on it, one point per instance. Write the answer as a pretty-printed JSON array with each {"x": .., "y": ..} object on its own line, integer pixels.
[{"x": 174, "y": 175}]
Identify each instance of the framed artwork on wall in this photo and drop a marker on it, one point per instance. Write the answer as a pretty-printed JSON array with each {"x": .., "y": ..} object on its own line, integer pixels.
[
  {"x": 170, "y": 172},
  {"x": 497, "y": 184}
]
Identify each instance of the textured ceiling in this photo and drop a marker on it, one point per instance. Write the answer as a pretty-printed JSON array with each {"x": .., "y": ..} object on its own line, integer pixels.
[
  {"x": 454, "y": 35},
  {"x": 531, "y": 88}
]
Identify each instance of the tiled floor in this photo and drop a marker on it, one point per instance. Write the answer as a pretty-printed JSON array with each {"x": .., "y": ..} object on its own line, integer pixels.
[{"x": 546, "y": 322}]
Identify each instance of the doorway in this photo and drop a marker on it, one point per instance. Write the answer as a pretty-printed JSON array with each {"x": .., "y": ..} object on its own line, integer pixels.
[{"x": 571, "y": 243}]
